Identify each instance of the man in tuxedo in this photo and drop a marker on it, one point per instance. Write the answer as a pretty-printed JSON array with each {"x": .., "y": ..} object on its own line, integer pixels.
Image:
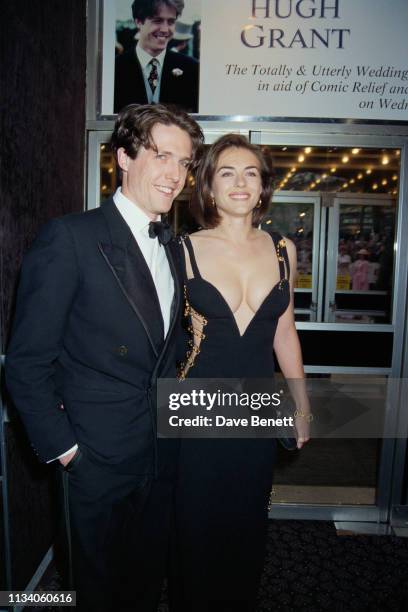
[
  {"x": 97, "y": 311},
  {"x": 149, "y": 72}
]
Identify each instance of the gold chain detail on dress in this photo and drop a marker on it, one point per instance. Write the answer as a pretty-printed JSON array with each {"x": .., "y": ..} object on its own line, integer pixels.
[
  {"x": 196, "y": 319},
  {"x": 281, "y": 245}
]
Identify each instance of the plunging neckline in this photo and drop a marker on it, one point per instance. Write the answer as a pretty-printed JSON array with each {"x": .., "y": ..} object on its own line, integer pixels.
[
  {"x": 198, "y": 276},
  {"x": 228, "y": 307}
]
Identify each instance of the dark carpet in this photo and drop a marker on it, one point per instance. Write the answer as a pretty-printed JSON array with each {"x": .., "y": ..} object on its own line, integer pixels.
[{"x": 309, "y": 567}]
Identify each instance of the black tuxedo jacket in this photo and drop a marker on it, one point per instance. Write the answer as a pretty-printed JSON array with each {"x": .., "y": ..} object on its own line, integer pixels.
[
  {"x": 181, "y": 90},
  {"x": 88, "y": 336}
]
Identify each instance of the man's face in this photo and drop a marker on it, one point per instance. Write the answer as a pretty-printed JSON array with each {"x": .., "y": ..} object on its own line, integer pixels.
[
  {"x": 155, "y": 178},
  {"x": 155, "y": 32}
]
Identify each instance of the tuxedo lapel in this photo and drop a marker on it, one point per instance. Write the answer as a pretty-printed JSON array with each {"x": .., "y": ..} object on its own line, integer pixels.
[
  {"x": 138, "y": 84},
  {"x": 172, "y": 254},
  {"x": 174, "y": 268},
  {"x": 168, "y": 81},
  {"x": 126, "y": 262}
]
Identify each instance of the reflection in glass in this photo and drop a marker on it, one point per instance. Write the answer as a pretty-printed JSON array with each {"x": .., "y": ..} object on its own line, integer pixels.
[
  {"x": 357, "y": 242},
  {"x": 336, "y": 169},
  {"x": 366, "y": 236},
  {"x": 365, "y": 261}
]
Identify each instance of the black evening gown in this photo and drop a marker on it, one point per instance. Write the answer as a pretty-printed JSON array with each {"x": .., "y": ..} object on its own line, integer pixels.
[{"x": 224, "y": 485}]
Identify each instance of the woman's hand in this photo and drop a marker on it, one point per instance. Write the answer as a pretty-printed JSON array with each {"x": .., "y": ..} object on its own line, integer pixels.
[{"x": 302, "y": 425}]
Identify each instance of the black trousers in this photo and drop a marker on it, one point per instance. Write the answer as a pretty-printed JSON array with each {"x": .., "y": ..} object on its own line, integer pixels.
[{"x": 117, "y": 528}]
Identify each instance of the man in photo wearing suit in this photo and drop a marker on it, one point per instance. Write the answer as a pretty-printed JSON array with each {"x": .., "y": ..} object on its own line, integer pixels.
[
  {"x": 97, "y": 311},
  {"x": 150, "y": 72}
]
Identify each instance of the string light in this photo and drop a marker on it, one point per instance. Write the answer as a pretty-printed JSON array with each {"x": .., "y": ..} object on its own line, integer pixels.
[{"x": 385, "y": 157}]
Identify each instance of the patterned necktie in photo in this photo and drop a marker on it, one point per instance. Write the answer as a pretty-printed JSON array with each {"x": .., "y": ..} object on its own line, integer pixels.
[{"x": 154, "y": 75}]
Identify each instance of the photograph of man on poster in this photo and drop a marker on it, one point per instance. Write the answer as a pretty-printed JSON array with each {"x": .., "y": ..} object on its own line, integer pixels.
[{"x": 148, "y": 71}]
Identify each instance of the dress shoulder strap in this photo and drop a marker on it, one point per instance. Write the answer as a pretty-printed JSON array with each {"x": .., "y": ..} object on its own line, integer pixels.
[
  {"x": 282, "y": 253},
  {"x": 193, "y": 262}
]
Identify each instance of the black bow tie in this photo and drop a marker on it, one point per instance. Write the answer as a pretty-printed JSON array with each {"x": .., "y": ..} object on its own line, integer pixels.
[{"x": 160, "y": 230}]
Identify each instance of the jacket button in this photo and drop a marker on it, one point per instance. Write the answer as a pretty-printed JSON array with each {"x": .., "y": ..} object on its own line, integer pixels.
[{"x": 123, "y": 350}]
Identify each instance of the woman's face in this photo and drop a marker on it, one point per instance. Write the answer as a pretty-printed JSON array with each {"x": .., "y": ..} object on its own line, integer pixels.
[{"x": 236, "y": 185}]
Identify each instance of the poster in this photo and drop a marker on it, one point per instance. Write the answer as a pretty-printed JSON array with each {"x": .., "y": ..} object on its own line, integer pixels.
[
  {"x": 151, "y": 53},
  {"x": 337, "y": 59}
]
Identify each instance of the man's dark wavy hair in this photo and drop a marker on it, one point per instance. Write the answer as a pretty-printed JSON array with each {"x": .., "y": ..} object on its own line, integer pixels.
[
  {"x": 134, "y": 124},
  {"x": 143, "y": 9}
]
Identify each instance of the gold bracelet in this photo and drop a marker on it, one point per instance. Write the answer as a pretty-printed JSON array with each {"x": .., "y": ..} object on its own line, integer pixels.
[{"x": 306, "y": 415}]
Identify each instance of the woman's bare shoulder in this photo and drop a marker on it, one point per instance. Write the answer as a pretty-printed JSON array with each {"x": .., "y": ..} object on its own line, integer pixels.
[
  {"x": 201, "y": 237},
  {"x": 199, "y": 234},
  {"x": 290, "y": 245}
]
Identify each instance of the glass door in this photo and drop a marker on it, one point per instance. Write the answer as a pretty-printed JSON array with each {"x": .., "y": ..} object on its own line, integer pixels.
[{"x": 360, "y": 262}]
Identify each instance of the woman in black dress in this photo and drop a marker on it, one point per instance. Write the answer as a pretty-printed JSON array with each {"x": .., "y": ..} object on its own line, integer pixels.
[{"x": 239, "y": 292}]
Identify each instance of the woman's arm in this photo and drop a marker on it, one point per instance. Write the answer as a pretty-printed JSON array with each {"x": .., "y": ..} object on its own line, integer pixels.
[{"x": 289, "y": 355}]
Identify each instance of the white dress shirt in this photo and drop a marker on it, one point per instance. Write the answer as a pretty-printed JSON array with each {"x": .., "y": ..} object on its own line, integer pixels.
[
  {"x": 153, "y": 252},
  {"x": 144, "y": 60},
  {"x": 155, "y": 257}
]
